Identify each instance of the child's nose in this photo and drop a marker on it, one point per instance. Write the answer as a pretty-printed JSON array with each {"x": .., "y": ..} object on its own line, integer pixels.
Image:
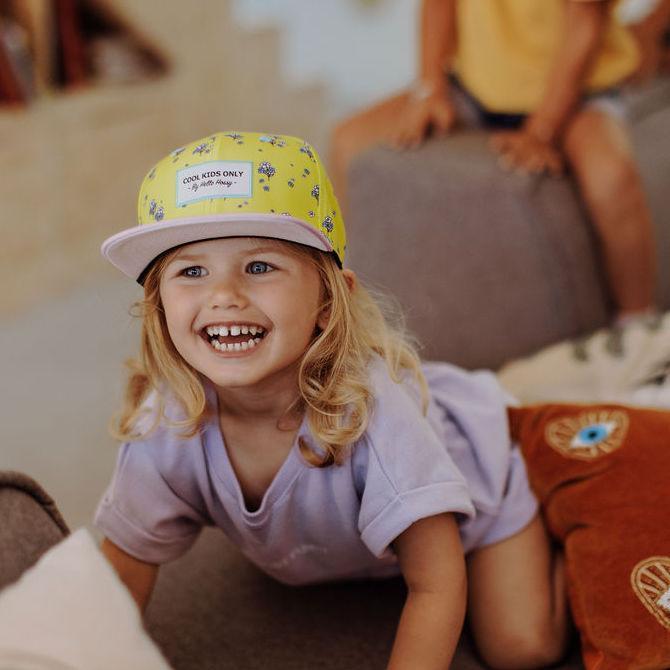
[{"x": 227, "y": 293}]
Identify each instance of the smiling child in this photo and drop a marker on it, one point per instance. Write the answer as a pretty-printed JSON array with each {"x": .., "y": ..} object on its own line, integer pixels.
[{"x": 273, "y": 398}]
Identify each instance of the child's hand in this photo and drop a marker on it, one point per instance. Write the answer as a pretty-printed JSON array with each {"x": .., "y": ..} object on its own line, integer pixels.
[
  {"x": 435, "y": 112},
  {"x": 523, "y": 151}
]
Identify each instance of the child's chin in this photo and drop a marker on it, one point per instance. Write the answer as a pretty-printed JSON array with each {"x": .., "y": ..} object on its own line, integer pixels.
[{"x": 232, "y": 379}]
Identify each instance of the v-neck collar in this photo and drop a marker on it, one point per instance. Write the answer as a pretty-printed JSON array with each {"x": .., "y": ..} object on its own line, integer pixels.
[{"x": 223, "y": 468}]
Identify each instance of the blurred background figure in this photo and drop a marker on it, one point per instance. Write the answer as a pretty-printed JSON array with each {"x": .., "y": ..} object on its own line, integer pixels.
[{"x": 547, "y": 80}]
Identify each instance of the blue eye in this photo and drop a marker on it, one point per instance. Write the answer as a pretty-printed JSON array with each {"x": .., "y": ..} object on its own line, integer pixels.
[
  {"x": 193, "y": 271},
  {"x": 593, "y": 434},
  {"x": 259, "y": 267},
  {"x": 590, "y": 434}
]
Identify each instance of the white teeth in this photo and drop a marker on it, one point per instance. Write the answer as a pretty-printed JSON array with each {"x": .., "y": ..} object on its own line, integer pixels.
[
  {"x": 235, "y": 346},
  {"x": 224, "y": 331}
]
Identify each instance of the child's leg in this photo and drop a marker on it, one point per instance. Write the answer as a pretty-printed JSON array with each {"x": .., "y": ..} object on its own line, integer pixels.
[
  {"x": 358, "y": 133},
  {"x": 517, "y": 601},
  {"x": 597, "y": 147}
]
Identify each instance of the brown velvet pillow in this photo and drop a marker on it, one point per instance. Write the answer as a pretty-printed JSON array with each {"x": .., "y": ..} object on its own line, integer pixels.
[{"x": 602, "y": 474}]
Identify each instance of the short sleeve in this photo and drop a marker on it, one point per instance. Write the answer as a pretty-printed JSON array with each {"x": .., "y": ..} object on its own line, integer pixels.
[
  {"x": 409, "y": 474},
  {"x": 142, "y": 511}
]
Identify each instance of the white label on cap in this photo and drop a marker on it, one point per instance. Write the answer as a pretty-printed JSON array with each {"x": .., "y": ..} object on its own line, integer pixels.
[{"x": 216, "y": 179}]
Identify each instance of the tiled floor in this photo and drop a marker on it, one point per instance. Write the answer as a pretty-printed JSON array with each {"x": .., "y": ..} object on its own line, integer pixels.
[{"x": 61, "y": 367}]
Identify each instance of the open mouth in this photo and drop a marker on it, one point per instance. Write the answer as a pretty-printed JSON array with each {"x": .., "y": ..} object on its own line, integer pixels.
[{"x": 236, "y": 337}]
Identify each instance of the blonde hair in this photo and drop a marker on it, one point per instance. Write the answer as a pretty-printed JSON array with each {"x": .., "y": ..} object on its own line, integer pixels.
[{"x": 333, "y": 377}]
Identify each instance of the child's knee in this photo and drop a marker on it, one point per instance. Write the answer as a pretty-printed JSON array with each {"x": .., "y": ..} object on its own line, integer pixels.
[
  {"x": 532, "y": 647},
  {"x": 613, "y": 181},
  {"x": 619, "y": 182}
]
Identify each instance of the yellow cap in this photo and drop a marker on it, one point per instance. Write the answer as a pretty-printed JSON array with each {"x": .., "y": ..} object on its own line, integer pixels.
[{"x": 231, "y": 184}]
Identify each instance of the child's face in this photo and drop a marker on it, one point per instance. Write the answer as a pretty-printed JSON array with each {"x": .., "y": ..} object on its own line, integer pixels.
[{"x": 260, "y": 297}]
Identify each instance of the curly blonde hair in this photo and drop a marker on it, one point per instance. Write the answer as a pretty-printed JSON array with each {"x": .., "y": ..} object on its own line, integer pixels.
[{"x": 333, "y": 377}]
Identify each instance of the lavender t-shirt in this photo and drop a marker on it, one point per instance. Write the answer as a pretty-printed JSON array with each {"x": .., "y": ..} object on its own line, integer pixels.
[{"x": 317, "y": 524}]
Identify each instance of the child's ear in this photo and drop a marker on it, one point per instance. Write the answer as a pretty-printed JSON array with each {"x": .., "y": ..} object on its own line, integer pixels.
[
  {"x": 351, "y": 280},
  {"x": 322, "y": 321}
]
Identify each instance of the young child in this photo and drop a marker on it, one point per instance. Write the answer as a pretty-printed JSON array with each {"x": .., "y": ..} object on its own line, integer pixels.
[
  {"x": 274, "y": 399},
  {"x": 545, "y": 76}
]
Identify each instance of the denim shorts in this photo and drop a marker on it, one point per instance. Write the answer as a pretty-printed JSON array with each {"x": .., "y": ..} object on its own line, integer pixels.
[{"x": 472, "y": 114}]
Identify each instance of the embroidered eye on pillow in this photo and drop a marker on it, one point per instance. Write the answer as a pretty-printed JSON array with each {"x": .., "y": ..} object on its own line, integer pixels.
[{"x": 602, "y": 474}]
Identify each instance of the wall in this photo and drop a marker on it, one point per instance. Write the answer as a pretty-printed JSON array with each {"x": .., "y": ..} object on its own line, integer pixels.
[{"x": 360, "y": 51}]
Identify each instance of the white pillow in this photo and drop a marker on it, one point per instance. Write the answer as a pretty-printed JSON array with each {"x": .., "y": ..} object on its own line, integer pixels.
[
  {"x": 627, "y": 365},
  {"x": 71, "y": 612}
]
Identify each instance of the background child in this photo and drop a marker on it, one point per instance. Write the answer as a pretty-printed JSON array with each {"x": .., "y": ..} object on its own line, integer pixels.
[
  {"x": 545, "y": 75},
  {"x": 274, "y": 399}
]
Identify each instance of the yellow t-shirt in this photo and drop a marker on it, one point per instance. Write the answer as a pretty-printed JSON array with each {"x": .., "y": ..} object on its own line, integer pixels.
[{"x": 506, "y": 48}]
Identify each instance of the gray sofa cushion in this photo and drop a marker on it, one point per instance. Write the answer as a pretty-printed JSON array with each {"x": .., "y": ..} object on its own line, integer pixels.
[{"x": 486, "y": 265}]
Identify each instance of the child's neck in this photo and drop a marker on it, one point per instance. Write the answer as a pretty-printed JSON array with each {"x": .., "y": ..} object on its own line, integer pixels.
[
  {"x": 271, "y": 404},
  {"x": 259, "y": 425}
]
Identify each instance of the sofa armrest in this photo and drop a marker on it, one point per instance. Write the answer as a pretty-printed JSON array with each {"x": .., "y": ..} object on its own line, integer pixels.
[{"x": 31, "y": 524}]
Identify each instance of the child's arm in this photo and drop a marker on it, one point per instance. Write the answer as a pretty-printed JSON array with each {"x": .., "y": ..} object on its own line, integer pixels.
[
  {"x": 432, "y": 563},
  {"x": 428, "y": 104},
  {"x": 138, "y": 576},
  {"x": 532, "y": 148},
  {"x": 649, "y": 35}
]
